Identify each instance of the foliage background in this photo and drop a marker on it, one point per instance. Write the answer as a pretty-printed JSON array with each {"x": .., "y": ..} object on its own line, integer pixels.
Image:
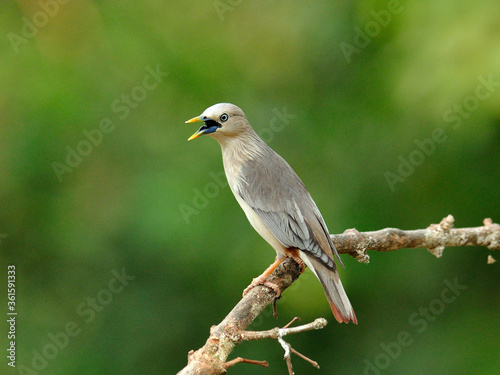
[{"x": 120, "y": 207}]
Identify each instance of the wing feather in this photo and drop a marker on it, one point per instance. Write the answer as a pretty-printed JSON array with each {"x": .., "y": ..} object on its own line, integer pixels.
[{"x": 280, "y": 199}]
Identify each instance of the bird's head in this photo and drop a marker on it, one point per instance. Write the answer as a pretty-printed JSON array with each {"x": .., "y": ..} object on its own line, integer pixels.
[{"x": 221, "y": 121}]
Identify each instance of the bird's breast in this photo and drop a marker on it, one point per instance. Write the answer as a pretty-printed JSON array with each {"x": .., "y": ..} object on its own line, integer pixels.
[
  {"x": 256, "y": 221},
  {"x": 233, "y": 163}
]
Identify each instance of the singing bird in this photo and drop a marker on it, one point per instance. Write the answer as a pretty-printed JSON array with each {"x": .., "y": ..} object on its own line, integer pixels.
[{"x": 276, "y": 203}]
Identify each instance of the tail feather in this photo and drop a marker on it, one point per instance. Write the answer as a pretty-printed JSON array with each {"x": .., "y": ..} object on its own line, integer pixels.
[
  {"x": 335, "y": 293},
  {"x": 337, "y": 298}
]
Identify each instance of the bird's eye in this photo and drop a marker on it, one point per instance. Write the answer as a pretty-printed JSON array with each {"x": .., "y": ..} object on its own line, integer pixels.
[{"x": 224, "y": 117}]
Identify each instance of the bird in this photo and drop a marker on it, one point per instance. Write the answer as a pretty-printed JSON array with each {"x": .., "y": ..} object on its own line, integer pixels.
[{"x": 276, "y": 203}]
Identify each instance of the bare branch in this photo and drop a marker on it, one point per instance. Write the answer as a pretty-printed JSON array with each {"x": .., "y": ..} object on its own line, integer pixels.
[
  {"x": 279, "y": 333},
  {"x": 276, "y": 333},
  {"x": 435, "y": 238},
  {"x": 314, "y": 363},
  {"x": 211, "y": 358},
  {"x": 244, "y": 360}
]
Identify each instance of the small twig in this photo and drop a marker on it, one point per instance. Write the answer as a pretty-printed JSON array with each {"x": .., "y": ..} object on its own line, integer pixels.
[
  {"x": 289, "y": 366},
  {"x": 296, "y": 319},
  {"x": 286, "y": 347},
  {"x": 288, "y": 357},
  {"x": 314, "y": 363},
  {"x": 279, "y": 333},
  {"x": 244, "y": 360}
]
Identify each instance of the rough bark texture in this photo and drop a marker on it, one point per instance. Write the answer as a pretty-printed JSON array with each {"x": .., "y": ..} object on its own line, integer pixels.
[
  {"x": 211, "y": 358},
  {"x": 434, "y": 238}
]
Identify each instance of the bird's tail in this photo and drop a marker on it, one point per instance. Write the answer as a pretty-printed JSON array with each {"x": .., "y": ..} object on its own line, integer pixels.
[{"x": 339, "y": 303}]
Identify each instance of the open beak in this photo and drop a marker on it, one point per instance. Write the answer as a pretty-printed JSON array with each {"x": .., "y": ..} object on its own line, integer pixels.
[
  {"x": 197, "y": 134},
  {"x": 200, "y": 131},
  {"x": 209, "y": 127}
]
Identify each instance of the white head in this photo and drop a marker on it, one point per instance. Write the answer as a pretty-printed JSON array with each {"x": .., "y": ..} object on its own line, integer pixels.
[{"x": 222, "y": 121}]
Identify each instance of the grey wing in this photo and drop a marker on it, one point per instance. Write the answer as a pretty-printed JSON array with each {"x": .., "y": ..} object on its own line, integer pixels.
[{"x": 280, "y": 199}]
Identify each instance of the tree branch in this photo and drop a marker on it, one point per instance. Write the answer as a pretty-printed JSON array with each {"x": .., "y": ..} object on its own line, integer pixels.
[
  {"x": 435, "y": 238},
  {"x": 211, "y": 358}
]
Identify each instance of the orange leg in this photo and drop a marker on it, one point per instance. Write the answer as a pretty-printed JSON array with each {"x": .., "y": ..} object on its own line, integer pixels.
[{"x": 262, "y": 279}]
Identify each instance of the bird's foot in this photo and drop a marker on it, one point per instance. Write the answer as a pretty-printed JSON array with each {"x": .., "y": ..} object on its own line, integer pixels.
[
  {"x": 301, "y": 263},
  {"x": 262, "y": 280},
  {"x": 294, "y": 254}
]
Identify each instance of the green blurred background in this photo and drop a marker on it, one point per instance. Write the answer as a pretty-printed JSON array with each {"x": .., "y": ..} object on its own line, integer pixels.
[{"x": 344, "y": 91}]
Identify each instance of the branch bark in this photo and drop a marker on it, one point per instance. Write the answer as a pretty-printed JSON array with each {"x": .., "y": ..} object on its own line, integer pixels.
[
  {"x": 434, "y": 238},
  {"x": 211, "y": 358}
]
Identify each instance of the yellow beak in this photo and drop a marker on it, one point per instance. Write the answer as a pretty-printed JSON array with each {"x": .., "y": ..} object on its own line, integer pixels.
[
  {"x": 196, "y": 135},
  {"x": 194, "y": 119},
  {"x": 199, "y": 132}
]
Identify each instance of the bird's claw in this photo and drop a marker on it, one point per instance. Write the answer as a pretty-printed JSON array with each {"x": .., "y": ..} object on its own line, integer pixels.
[{"x": 262, "y": 281}]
